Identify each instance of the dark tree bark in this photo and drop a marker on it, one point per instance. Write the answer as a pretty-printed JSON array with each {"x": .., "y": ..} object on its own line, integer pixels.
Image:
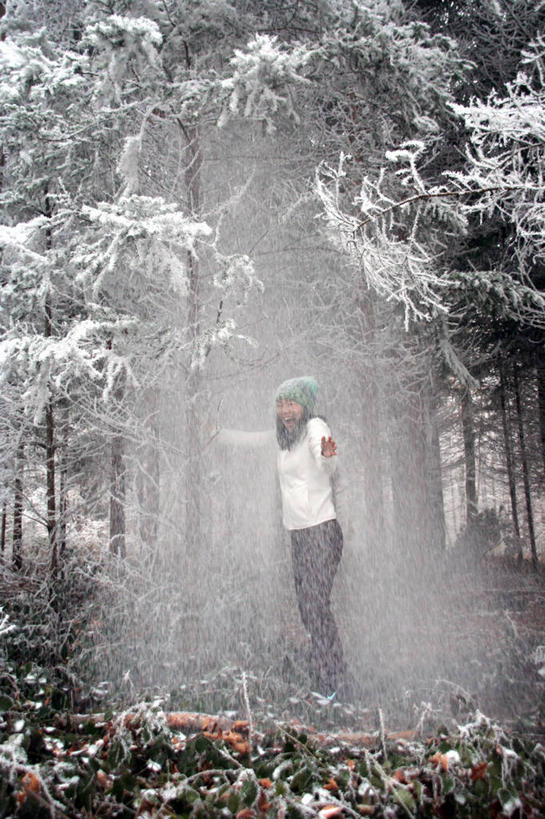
[
  {"x": 193, "y": 481},
  {"x": 17, "y": 554},
  {"x": 50, "y": 488},
  {"x": 525, "y": 468},
  {"x": 540, "y": 377},
  {"x": 373, "y": 495},
  {"x": 411, "y": 482},
  {"x": 50, "y": 462},
  {"x": 3, "y": 528},
  {"x": 148, "y": 478},
  {"x": 436, "y": 481},
  {"x": 63, "y": 501},
  {"x": 117, "y": 539},
  {"x": 509, "y": 459},
  {"x": 117, "y": 498},
  {"x": 50, "y": 423},
  {"x": 468, "y": 431}
]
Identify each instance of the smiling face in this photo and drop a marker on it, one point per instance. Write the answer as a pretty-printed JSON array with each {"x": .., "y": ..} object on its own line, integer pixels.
[{"x": 289, "y": 412}]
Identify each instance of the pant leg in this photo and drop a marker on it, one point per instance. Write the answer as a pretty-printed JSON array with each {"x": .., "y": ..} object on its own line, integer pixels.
[{"x": 316, "y": 553}]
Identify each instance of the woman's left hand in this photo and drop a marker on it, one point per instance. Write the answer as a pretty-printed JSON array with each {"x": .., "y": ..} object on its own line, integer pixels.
[{"x": 329, "y": 447}]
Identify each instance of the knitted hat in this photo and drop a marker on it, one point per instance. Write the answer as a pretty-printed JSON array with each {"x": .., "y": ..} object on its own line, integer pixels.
[{"x": 303, "y": 390}]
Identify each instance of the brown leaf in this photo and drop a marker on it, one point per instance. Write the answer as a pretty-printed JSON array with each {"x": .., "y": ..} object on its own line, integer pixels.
[
  {"x": 21, "y": 797},
  {"x": 212, "y": 735},
  {"x": 262, "y": 802},
  {"x": 103, "y": 779},
  {"x": 237, "y": 742},
  {"x": 478, "y": 771},
  {"x": 29, "y": 784},
  {"x": 440, "y": 759},
  {"x": 330, "y": 812}
]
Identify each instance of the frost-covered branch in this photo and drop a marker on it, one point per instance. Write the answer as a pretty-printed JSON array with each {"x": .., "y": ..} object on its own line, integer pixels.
[
  {"x": 152, "y": 242},
  {"x": 506, "y": 158},
  {"x": 400, "y": 267},
  {"x": 145, "y": 233},
  {"x": 398, "y": 240},
  {"x": 5, "y": 626},
  {"x": 259, "y": 86}
]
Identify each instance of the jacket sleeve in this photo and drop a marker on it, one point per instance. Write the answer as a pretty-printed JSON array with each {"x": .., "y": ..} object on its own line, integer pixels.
[
  {"x": 243, "y": 439},
  {"x": 318, "y": 429}
]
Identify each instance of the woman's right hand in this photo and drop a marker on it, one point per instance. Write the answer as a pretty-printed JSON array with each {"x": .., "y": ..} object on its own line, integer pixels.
[{"x": 329, "y": 447}]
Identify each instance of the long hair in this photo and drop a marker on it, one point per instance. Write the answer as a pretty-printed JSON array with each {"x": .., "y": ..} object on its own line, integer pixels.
[{"x": 287, "y": 439}]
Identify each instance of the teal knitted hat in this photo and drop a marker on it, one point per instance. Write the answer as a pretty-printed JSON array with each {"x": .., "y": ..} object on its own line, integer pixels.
[{"x": 303, "y": 390}]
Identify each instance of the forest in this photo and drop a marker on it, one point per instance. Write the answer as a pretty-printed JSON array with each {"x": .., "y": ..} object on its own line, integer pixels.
[{"x": 201, "y": 199}]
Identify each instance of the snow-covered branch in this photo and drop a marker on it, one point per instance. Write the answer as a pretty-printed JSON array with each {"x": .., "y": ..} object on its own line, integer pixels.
[
  {"x": 259, "y": 86},
  {"x": 398, "y": 240},
  {"x": 399, "y": 266},
  {"x": 506, "y": 158}
]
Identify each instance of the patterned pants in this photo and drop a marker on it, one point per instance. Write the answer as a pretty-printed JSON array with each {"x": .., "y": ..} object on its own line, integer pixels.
[{"x": 315, "y": 555}]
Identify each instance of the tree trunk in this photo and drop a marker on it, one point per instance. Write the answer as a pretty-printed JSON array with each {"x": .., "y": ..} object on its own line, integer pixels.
[
  {"x": 50, "y": 458},
  {"x": 437, "y": 499},
  {"x": 3, "y": 524},
  {"x": 117, "y": 542},
  {"x": 63, "y": 502},
  {"x": 525, "y": 468},
  {"x": 509, "y": 460},
  {"x": 372, "y": 490},
  {"x": 193, "y": 470},
  {"x": 540, "y": 377},
  {"x": 148, "y": 478},
  {"x": 50, "y": 423},
  {"x": 50, "y": 485},
  {"x": 17, "y": 557},
  {"x": 468, "y": 431},
  {"x": 410, "y": 483},
  {"x": 117, "y": 498}
]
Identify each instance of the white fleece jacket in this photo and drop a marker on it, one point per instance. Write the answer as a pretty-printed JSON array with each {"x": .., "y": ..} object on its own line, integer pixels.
[
  {"x": 303, "y": 473},
  {"x": 305, "y": 479}
]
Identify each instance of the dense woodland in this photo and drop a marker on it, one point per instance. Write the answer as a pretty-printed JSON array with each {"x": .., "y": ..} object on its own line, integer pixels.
[{"x": 201, "y": 198}]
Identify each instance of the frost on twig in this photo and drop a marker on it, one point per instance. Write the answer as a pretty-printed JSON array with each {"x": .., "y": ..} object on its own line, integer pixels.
[
  {"x": 453, "y": 360},
  {"x": 5, "y": 626},
  {"x": 385, "y": 235},
  {"x": 397, "y": 227},
  {"x": 505, "y": 168},
  {"x": 259, "y": 86}
]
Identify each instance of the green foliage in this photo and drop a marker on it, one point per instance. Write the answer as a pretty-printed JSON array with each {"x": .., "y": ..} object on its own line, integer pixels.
[{"x": 50, "y": 762}]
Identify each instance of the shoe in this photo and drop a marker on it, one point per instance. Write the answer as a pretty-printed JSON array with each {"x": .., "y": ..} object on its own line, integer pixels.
[{"x": 324, "y": 698}]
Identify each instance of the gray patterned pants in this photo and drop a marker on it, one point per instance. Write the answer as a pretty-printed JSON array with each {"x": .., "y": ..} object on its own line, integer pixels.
[{"x": 315, "y": 555}]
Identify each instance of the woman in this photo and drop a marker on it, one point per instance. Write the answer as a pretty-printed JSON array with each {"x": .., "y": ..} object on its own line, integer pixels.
[{"x": 306, "y": 461}]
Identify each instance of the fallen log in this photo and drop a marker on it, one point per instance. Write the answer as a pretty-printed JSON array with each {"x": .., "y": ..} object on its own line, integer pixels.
[{"x": 236, "y": 731}]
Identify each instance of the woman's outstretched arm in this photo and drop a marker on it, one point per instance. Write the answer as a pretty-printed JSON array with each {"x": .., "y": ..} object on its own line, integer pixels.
[{"x": 244, "y": 439}]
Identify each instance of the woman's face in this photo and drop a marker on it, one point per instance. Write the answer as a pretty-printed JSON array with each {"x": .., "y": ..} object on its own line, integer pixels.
[{"x": 289, "y": 412}]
